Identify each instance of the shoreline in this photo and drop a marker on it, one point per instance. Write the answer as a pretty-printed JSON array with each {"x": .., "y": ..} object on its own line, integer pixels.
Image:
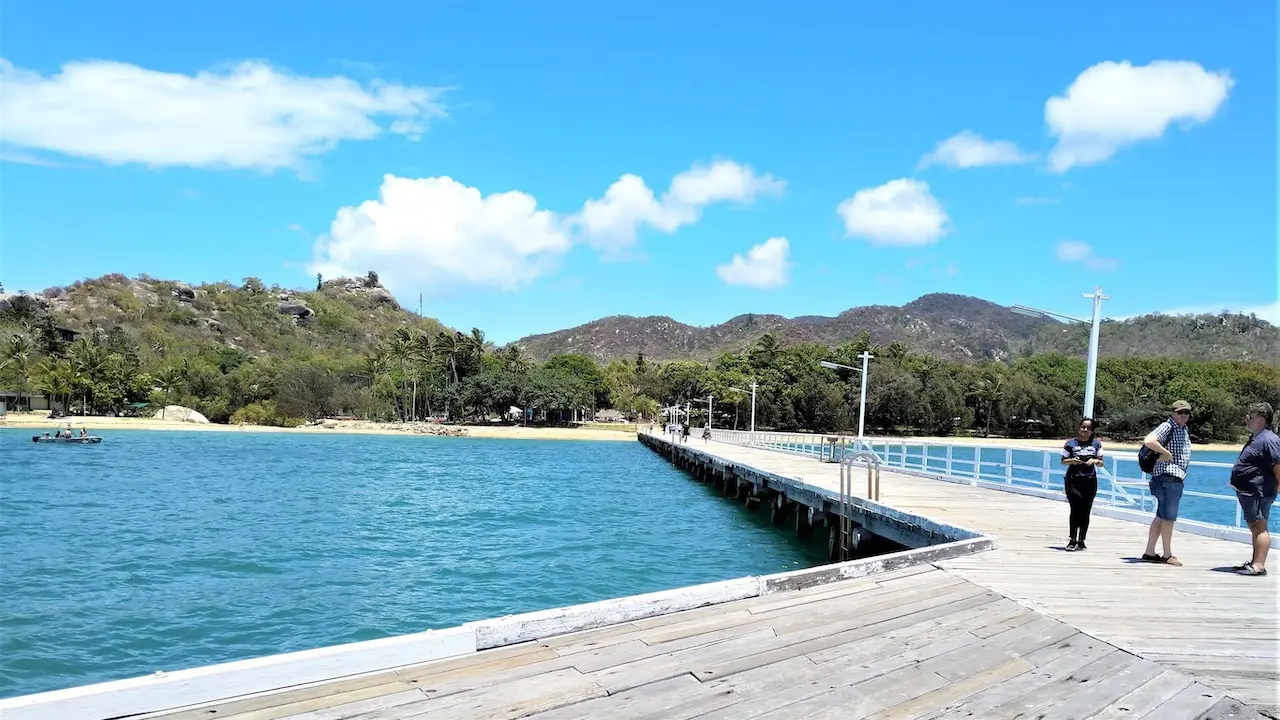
[
  {"x": 592, "y": 431},
  {"x": 330, "y": 427}
]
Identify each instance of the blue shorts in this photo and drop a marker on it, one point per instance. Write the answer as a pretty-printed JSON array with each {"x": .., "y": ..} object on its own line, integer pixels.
[
  {"x": 1167, "y": 490},
  {"x": 1255, "y": 506}
]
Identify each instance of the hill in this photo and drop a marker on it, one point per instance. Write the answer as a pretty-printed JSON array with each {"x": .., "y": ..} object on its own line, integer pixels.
[
  {"x": 345, "y": 317},
  {"x": 955, "y": 327}
]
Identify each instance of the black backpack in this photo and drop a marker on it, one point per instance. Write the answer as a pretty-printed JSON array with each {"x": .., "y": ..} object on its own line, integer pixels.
[{"x": 1147, "y": 457}]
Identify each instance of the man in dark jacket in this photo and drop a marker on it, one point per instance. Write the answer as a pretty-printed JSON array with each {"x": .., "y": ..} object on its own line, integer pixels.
[{"x": 1255, "y": 477}]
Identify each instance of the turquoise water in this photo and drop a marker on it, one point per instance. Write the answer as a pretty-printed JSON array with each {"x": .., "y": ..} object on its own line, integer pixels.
[{"x": 167, "y": 550}]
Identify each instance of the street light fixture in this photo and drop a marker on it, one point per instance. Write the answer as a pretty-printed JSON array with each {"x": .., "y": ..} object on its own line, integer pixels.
[
  {"x": 1091, "y": 373},
  {"x": 753, "y": 387},
  {"x": 862, "y": 397}
]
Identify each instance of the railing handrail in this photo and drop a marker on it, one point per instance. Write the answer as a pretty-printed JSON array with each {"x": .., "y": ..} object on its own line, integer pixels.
[{"x": 894, "y": 453}]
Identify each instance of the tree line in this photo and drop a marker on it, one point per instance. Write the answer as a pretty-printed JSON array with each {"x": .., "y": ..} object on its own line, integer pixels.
[{"x": 457, "y": 376}]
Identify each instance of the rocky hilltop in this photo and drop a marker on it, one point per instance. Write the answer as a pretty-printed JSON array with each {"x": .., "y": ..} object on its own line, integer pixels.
[
  {"x": 342, "y": 315},
  {"x": 956, "y": 327}
]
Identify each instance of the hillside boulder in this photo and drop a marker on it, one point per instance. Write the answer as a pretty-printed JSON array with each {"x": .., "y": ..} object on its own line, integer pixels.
[
  {"x": 184, "y": 293},
  {"x": 297, "y": 309},
  {"x": 179, "y": 413}
]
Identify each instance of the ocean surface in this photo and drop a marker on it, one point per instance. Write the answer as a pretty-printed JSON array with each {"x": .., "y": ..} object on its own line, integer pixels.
[{"x": 168, "y": 550}]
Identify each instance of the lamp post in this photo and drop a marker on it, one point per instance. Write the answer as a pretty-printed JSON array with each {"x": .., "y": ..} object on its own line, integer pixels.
[
  {"x": 862, "y": 397},
  {"x": 710, "y": 405},
  {"x": 1091, "y": 373},
  {"x": 753, "y": 387}
]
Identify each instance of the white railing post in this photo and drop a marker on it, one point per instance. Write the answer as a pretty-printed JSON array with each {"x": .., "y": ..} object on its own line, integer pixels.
[
  {"x": 949, "y": 448},
  {"x": 1044, "y": 479},
  {"x": 1008, "y": 466},
  {"x": 977, "y": 465}
]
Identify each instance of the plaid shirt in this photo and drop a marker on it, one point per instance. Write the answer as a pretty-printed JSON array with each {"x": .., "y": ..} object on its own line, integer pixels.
[{"x": 1177, "y": 441}]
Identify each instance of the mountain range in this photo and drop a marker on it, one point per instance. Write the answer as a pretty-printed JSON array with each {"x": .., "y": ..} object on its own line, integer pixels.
[
  {"x": 349, "y": 316},
  {"x": 958, "y": 327}
]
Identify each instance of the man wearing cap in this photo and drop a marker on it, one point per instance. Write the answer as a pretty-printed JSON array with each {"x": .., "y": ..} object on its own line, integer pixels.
[
  {"x": 1255, "y": 477},
  {"x": 1173, "y": 444}
]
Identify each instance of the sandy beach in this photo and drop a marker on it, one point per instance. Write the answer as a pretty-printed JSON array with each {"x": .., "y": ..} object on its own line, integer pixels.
[
  {"x": 615, "y": 433},
  {"x": 97, "y": 425}
]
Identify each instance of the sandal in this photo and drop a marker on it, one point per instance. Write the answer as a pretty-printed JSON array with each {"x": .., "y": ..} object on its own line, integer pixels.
[
  {"x": 1171, "y": 560},
  {"x": 1249, "y": 569}
]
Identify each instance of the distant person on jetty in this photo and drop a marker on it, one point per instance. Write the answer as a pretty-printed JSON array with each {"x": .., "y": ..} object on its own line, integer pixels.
[
  {"x": 706, "y": 433},
  {"x": 1172, "y": 443},
  {"x": 1255, "y": 477},
  {"x": 684, "y": 433},
  {"x": 1082, "y": 455}
]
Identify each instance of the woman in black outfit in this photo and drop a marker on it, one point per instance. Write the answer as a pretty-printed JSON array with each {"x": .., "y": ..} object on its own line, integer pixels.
[{"x": 1082, "y": 455}]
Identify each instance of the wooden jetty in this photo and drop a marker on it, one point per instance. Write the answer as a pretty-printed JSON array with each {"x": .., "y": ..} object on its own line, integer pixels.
[
  {"x": 915, "y": 643},
  {"x": 1020, "y": 631}
]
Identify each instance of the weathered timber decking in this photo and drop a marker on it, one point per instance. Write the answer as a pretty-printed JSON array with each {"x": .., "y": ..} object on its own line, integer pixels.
[
  {"x": 915, "y": 643},
  {"x": 1201, "y": 619}
]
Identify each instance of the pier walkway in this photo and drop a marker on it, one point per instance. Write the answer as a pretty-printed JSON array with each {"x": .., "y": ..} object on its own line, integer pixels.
[
  {"x": 1221, "y": 628},
  {"x": 915, "y": 643}
]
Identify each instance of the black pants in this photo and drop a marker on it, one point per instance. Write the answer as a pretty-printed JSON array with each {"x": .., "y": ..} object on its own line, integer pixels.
[{"x": 1080, "y": 494}]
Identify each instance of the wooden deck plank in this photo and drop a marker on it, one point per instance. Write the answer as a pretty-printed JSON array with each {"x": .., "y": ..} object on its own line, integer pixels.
[{"x": 1096, "y": 591}]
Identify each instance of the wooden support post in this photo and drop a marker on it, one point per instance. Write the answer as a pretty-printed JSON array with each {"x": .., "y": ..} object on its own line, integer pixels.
[
  {"x": 804, "y": 521},
  {"x": 778, "y": 509}
]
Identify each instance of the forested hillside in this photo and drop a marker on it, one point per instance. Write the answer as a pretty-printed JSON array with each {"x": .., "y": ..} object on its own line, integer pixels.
[{"x": 253, "y": 354}]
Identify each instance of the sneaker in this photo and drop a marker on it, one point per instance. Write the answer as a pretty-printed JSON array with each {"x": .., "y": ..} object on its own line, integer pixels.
[
  {"x": 1148, "y": 557},
  {"x": 1071, "y": 546},
  {"x": 1081, "y": 546}
]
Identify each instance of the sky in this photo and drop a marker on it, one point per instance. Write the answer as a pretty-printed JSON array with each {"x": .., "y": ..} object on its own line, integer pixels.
[{"x": 527, "y": 167}]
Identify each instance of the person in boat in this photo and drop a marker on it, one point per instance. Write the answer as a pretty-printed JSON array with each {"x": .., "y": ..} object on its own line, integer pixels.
[
  {"x": 46, "y": 435},
  {"x": 84, "y": 432},
  {"x": 1082, "y": 455}
]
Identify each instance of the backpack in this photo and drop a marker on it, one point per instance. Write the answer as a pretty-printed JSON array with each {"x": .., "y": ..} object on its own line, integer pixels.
[{"x": 1147, "y": 457}]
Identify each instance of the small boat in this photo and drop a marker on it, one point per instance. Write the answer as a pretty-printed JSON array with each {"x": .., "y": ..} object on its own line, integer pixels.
[{"x": 88, "y": 440}]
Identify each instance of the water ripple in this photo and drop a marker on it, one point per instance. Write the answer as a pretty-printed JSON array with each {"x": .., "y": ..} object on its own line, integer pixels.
[{"x": 171, "y": 550}]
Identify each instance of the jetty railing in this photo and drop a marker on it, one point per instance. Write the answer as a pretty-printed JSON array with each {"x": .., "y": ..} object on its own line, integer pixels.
[{"x": 1121, "y": 484}]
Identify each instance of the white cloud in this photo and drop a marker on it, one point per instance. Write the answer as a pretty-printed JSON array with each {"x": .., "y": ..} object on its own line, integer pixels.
[
  {"x": 1071, "y": 251},
  {"x": 967, "y": 149},
  {"x": 250, "y": 115},
  {"x": 610, "y": 224},
  {"x": 1112, "y": 104},
  {"x": 765, "y": 267},
  {"x": 436, "y": 235},
  {"x": 900, "y": 212}
]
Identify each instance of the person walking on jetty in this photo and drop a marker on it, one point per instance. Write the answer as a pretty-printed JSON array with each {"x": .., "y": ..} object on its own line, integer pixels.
[
  {"x": 1255, "y": 477},
  {"x": 1171, "y": 441},
  {"x": 1082, "y": 455}
]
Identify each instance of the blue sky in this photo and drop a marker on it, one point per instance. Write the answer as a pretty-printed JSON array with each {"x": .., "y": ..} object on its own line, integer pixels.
[{"x": 239, "y": 139}]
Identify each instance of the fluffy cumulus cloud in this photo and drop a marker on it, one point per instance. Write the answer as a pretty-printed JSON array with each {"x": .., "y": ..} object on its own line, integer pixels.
[
  {"x": 610, "y": 224},
  {"x": 765, "y": 266},
  {"x": 1071, "y": 251},
  {"x": 900, "y": 212},
  {"x": 967, "y": 149},
  {"x": 437, "y": 236},
  {"x": 1111, "y": 105},
  {"x": 249, "y": 115}
]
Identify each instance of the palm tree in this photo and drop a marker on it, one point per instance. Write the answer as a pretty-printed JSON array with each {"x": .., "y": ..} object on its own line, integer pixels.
[
  {"x": 169, "y": 379},
  {"x": 17, "y": 355},
  {"x": 476, "y": 343},
  {"x": 91, "y": 363},
  {"x": 451, "y": 346},
  {"x": 57, "y": 380},
  {"x": 423, "y": 352},
  {"x": 401, "y": 351}
]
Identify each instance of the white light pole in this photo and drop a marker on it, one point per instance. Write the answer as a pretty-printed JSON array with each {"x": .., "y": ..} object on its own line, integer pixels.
[
  {"x": 862, "y": 397},
  {"x": 753, "y": 387},
  {"x": 1091, "y": 373},
  {"x": 710, "y": 404}
]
